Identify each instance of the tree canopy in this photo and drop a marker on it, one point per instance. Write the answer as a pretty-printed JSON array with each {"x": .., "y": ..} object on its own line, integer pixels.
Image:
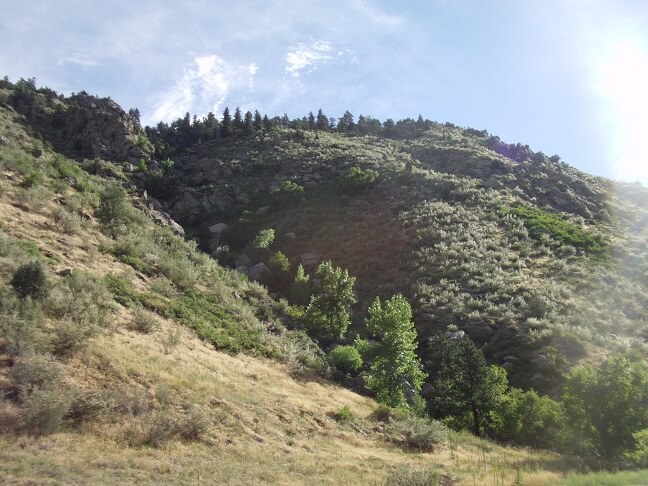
[
  {"x": 395, "y": 372},
  {"x": 328, "y": 311},
  {"x": 462, "y": 382}
]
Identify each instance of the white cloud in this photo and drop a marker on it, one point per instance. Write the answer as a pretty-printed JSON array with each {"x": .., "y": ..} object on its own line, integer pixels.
[
  {"x": 302, "y": 56},
  {"x": 306, "y": 58},
  {"x": 202, "y": 88}
]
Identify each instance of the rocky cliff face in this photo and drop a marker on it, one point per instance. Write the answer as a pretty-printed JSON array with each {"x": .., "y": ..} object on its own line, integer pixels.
[
  {"x": 98, "y": 127},
  {"x": 82, "y": 125}
]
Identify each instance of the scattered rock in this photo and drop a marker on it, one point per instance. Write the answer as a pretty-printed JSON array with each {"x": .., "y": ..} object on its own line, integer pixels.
[
  {"x": 541, "y": 362},
  {"x": 538, "y": 378},
  {"x": 163, "y": 219},
  {"x": 263, "y": 211},
  {"x": 66, "y": 272},
  {"x": 257, "y": 270},
  {"x": 218, "y": 228},
  {"x": 243, "y": 261},
  {"x": 310, "y": 259},
  {"x": 456, "y": 334},
  {"x": 243, "y": 198}
]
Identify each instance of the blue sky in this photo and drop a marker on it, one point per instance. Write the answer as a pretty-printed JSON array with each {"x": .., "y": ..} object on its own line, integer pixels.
[{"x": 564, "y": 76}]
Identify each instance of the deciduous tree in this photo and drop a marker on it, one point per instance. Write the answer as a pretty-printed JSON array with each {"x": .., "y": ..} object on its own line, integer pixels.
[{"x": 395, "y": 373}]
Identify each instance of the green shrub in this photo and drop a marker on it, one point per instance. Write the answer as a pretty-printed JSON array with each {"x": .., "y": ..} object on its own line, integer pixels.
[
  {"x": 45, "y": 399},
  {"x": 358, "y": 178},
  {"x": 72, "y": 336},
  {"x": 302, "y": 354},
  {"x": 417, "y": 433},
  {"x": 45, "y": 408},
  {"x": 181, "y": 271},
  {"x": 540, "y": 222},
  {"x": 29, "y": 280},
  {"x": 113, "y": 210},
  {"x": 264, "y": 239},
  {"x": 388, "y": 414},
  {"x": 639, "y": 456},
  {"x": 347, "y": 359},
  {"x": 343, "y": 415},
  {"x": 36, "y": 370},
  {"x": 20, "y": 323},
  {"x": 70, "y": 222},
  {"x": 164, "y": 286},
  {"x": 158, "y": 427},
  {"x": 406, "y": 475},
  {"x": 32, "y": 179},
  {"x": 143, "y": 321},
  {"x": 34, "y": 198}
]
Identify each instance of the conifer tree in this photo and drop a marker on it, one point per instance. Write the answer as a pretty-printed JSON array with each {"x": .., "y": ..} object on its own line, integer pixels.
[
  {"x": 267, "y": 123},
  {"x": 226, "y": 124},
  {"x": 248, "y": 127},
  {"x": 258, "y": 121},
  {"x": 322, "y": 122},
  {"x": 300, "y": 289},
  {"x": 237, "y": 122}
]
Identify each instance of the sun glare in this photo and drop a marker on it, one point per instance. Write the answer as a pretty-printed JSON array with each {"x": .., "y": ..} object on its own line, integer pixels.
[{"x": 621, "y": 78}]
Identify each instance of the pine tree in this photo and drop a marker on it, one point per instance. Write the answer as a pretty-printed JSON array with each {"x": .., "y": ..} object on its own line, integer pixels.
[
  {"x": 300, "y": 289},
  {"x": 267, "y": 124},
  {"x": 248, "y": 127},
  {"x": 322, "y": 122},
  {"x": 226, "y": 124},
  {"x": 238, "y": 120},
  {"x": 258, "y": 121}
]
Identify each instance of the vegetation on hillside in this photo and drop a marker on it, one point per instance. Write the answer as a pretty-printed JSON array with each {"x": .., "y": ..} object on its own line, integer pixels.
[{"x": 433, "y": 267}]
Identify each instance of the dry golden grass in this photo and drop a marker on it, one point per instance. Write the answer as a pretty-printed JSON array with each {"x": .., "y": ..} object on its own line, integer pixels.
[{"x": 266, "y": 428}]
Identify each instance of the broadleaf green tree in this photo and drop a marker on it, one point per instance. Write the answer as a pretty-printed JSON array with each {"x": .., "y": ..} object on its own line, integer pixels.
[
  {"x": 526, "y": 418},
  {"x": 328, "y": 313},
  {"x": 606, "y": 406},
  {"x": 462, "y": 382},
  {"x": 395, "y": 372}
]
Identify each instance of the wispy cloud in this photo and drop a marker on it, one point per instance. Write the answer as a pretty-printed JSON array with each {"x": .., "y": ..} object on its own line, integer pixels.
[
  {"x": 202, "y": 88},
  {"x": 79, "y": 58},
  {"x": 308, "y": 56},
  {"x": 376, "y": 16}
]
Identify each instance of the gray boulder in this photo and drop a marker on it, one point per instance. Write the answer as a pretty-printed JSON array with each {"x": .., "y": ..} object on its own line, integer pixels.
[{"x": 256, "y": 271}]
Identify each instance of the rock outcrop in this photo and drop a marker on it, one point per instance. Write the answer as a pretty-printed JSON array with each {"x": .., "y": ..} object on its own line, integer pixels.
[{"x": 84, "y": 126}]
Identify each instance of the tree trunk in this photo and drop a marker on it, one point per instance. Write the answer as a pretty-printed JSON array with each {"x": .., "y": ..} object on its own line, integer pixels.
[{"x": 475, "y": 412}]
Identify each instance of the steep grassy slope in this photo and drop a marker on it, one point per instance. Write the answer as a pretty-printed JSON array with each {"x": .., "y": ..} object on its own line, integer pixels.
[
  {"x": 106, "y": 380},
  {"x": 541, "y": 263}
]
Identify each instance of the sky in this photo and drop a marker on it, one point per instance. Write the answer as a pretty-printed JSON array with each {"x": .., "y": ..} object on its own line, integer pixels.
[{"x": 567, "y": 77}]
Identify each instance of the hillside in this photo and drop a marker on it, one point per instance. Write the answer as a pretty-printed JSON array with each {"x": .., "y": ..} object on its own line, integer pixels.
[
  {"x": 537, "y": 261},
  {"x": 129, "y": 354}
]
